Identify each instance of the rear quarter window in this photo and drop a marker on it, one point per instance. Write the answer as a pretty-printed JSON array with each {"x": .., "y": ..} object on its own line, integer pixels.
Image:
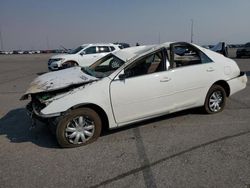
[{"x": 103, "y": 49}]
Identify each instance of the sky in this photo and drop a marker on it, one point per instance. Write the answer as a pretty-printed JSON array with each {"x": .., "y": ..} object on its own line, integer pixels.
[{"x": 49, "y": 24}]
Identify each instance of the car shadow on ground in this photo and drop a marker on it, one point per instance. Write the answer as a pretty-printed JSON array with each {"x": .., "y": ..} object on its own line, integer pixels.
[
  {"x": 41, "y": 73},
  {"x": 153, "y": 120},
  {"x": 16, "y": 126}
]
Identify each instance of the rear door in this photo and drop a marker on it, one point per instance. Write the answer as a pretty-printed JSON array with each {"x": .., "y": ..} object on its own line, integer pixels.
[{"x": 192, "y": 73}]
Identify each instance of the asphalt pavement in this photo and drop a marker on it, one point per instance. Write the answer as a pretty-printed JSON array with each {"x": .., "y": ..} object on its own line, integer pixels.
[{"x": 184, "y": 149}]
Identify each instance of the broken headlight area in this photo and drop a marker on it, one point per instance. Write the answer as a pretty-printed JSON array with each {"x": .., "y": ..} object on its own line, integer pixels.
[
  {"x": 38, "y": 103},
  {"x": 48, "y": 97},
  {"x": 35, "y": 107},
  {"x": 40, "y": 100},
  {"x": 43, "y": 98}
]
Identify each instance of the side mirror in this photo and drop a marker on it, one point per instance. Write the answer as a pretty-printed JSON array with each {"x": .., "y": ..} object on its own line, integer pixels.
[
  {"x": 83, "y": 53},
  {"x": 122, "y": 76}
]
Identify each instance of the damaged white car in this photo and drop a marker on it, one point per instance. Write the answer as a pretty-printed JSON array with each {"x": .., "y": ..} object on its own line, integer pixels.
[{"x": 132, "y": 85}]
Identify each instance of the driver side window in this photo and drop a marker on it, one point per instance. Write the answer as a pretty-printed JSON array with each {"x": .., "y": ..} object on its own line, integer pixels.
[
  {"x": 90, "y": 50},
  {"x": 147, "y": 65}
]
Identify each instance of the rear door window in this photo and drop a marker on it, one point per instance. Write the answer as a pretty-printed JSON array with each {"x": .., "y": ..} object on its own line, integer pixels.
[
  {"x": 184, "y": 54},
  {"x": 103, "y": 49}
]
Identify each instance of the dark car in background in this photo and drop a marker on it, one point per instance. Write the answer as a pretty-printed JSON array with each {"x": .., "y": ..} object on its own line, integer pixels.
[
  {"x": 221, "y": 48},
  {"x": 244, "y": 51},
  {"x": 122, "y": 45}
]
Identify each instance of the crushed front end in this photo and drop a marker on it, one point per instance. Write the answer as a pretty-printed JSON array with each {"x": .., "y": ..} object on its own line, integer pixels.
[
  {"x": 37, "y": 104},
  {"x": 51, "y": 86}
]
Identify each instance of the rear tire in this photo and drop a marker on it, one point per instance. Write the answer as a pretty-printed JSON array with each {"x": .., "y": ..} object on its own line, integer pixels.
[
  {"x": 79, "y": 127},
  {"x": 215, "y": 100}
]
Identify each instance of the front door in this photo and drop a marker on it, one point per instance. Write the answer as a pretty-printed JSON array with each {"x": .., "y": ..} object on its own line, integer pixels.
[{"x": 144, "y": 91}]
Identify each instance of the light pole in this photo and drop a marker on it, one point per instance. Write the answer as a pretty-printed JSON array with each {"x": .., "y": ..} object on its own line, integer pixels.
[
  {"x": 47, "y": 42},
  {"x": 1, "y": 38},
  {"x": 192, "y": 30},
  {"x": 159, "y": 38}
]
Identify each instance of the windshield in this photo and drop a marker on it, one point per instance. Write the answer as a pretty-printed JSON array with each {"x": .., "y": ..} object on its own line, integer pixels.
[
  {"x": 104, "y": 67},
  {"x": 76, "y": 50}
]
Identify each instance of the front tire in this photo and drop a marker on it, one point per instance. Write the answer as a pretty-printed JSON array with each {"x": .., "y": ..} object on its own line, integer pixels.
[
  {"x": 69, "y": 64},
  {"x": 79, "y": 127},
  {"x": 215, "y": 100}
]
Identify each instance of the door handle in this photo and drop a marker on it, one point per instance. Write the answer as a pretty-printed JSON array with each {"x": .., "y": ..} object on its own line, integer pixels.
[
  {"x": 165, "y": 79},
  {"x": 210, "y": 69}
]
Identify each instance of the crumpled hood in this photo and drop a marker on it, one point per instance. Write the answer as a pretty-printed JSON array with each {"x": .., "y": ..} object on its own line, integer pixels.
[{"x": 58, "y": 80}]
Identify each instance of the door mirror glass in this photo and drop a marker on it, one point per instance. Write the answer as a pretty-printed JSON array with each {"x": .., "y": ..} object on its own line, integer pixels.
[{"x": 83, "y": 53}]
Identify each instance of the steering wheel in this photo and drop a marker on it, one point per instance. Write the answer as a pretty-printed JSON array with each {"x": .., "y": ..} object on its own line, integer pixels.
[{"x": 113, "y": 64}]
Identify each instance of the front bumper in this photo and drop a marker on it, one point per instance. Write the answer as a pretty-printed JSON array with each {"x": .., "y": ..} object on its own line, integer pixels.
[
  {"x": 34, "y": 111},
  {"x": 237, "y": 84},
  {"x": 54, "y": 65}
]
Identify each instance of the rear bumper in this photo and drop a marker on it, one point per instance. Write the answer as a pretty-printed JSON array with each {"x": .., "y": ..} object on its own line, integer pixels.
[{"x": 238, "y": 83}]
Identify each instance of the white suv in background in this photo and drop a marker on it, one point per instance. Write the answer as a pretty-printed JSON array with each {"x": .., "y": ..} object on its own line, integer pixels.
[{"x": 83, "y": 56}]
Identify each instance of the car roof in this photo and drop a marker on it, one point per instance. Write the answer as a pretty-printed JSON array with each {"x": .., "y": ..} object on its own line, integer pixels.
[
  {"x": 100, "y": 44},
  {"x": 128, "y": 54}
]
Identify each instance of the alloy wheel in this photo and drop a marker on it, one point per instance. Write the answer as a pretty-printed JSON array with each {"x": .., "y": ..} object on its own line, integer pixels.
[
  {"x": 79, "y": 130},
  {"x": 215, "y": 101}
]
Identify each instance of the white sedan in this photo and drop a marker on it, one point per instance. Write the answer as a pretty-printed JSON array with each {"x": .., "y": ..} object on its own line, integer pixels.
[{"x": 132, "y": 85}]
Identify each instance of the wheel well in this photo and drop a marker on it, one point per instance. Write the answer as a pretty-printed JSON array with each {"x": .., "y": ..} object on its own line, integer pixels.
[
  {"x": 71, "y": 61},
  {"x": 100, "y": 112},
  {"x": 225, "y": 85}
]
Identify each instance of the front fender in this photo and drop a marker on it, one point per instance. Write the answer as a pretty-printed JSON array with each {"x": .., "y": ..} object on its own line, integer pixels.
[{"x": 96, "y": 93}]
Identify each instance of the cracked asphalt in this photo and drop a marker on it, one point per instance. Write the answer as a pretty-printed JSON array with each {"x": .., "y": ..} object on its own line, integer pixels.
[{"x": 184, "y": 149}]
